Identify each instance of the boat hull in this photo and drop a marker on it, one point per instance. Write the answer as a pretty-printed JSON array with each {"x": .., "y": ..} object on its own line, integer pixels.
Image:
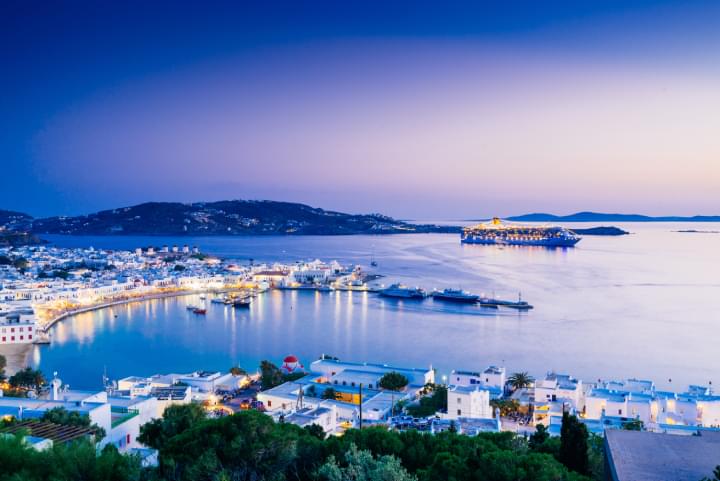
[
  {"x": 460, "y": 300},
  {"x": 518, "y": 242}
]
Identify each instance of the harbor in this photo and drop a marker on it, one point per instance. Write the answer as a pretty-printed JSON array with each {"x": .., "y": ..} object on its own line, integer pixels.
[{"x": 570, "y": 290}]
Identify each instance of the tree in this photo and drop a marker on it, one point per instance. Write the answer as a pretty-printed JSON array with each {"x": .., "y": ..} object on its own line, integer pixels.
[
  {"x": 520, "y": 380},
  {"x": 3, "y": 365},
  {"x": 329, "y": 393},
  {"x": 429, "y": 405},
  {"x": 505, "y": 406},
  {"x": 179, "y": 268},
  {"x": 539, "y": 437},
  {"x": 65, "y": 461},
  {"x": 716, "y": 475},
  {"x": 238, "y": 371},
  {"x": 62, "y": 416},
  {"x": 393, "y": 381},
  {"x": 27, "y": 378},
  {"x": 270, "y": 375},
  {"x": 362, "y": 466},
  {"x": 315, "y": 430},
  {"x": 177, "y": 419},
  {"x": 574, "y": 444}
]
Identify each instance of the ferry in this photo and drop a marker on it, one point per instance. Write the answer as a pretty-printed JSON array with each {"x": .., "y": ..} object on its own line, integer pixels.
[
  {"x": 456, "y": 295},
  {"x": 403, "y": 292},
  {"x": 495, "y": 303},
  {"x": 501, "y": 233}
]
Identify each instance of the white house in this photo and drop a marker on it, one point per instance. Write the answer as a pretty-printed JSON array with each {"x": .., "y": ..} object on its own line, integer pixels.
[
  {"x": 468, "y": 402},
  {"x": 559, "y": 387}
]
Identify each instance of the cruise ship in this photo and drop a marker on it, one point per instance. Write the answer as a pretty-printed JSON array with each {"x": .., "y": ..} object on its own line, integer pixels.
[
  {"x": 500, "y": 233},
  {"x": 403, "y": 292}
]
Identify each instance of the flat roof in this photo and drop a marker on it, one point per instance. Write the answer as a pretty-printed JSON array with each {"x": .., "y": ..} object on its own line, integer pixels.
[
  {"x": 646, "y": 456},
  {"x": 45, "y": 430}
]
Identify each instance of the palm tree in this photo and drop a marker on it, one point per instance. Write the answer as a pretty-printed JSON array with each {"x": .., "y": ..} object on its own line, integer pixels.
[{"x": 520, "y": 380}]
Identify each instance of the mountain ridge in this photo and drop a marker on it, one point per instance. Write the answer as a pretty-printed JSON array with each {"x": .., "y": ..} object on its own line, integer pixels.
[
  {"x": 228, "y": 217},
  {"x": 587, "y": 216}
]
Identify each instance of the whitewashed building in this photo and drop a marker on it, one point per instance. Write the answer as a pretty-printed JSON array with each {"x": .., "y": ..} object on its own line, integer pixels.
[{"x": 469, "y": 402}]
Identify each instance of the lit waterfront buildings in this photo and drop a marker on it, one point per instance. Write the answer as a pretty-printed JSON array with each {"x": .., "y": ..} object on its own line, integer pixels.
[{"x": 55, "y": 281}]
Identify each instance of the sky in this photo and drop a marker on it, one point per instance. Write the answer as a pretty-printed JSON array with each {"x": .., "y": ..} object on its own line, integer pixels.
[{"x": 419, "y": 110}]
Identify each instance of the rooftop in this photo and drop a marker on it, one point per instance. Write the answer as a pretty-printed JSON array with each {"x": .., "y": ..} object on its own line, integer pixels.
[{"x": 645, "y": 456}]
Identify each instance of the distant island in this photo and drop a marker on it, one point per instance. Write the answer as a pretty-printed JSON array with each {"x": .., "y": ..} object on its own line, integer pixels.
[
  {"x": 232, "y": 217},
  {"x": 601, "y": 230},
  {"x": 600, "y": 217}
]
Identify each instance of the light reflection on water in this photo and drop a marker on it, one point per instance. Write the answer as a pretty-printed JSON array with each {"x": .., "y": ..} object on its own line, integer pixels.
[{"x": 641, "y": 305}]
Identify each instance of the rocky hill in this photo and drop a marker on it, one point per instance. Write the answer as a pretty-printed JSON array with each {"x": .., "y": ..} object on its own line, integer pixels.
[{"x": 234, "y": 217}]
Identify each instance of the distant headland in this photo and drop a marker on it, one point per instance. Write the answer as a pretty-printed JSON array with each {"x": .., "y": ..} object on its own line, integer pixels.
[
  {"x": 232, "y": 217},
  {"x": 601, "y": 217}
]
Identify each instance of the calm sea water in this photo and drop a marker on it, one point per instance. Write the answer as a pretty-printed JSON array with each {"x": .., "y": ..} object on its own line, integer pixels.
[{"x": 643, "y": 305}]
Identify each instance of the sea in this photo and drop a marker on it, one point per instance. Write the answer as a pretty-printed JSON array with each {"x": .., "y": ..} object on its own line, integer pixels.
[{"x": 643, "y": 305}]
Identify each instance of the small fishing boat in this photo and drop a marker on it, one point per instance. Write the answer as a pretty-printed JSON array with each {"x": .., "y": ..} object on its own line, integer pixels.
[
  {"x": 242, "y": 303},
  {"x": 199, "y": 311}
]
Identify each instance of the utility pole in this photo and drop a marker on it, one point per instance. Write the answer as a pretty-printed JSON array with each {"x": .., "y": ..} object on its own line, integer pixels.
[{"x": 361, "y": 403}]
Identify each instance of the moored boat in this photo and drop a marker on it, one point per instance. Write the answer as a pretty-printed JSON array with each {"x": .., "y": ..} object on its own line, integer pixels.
[
  {"x": 403, "y": 292},
  {"x": 456, "y": 295}
]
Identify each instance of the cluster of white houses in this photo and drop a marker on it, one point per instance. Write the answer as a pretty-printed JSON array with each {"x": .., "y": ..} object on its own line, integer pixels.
[
  {"x": 121, "y": 410},
  {"x": 55, "y": 281},
  {"x": 601, "y": 406}
]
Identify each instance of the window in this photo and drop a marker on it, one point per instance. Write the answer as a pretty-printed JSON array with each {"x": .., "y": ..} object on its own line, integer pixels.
[
  {"x": 21, "y": 329},
  {"x": 4, "y": 338},
  {"x": 3, "y": 330},
  {"x": 12, "y": 338},
  {"x": 620, "y": 412},
  {"x": 269, "y": 403},
  {"x": 30, "y": 337},
  {"x": 459, "y": 400},
  {"x": 128, "y": 439},
  {"x": 21, "y": 338},
  {"x": 12, "y": 329},
  {"x": 459, "y": 412},
  {"x": 29, "y": 329}
]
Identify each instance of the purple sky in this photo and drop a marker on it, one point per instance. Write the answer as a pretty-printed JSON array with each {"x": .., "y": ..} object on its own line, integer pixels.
[{"x": 613, "y": 110}]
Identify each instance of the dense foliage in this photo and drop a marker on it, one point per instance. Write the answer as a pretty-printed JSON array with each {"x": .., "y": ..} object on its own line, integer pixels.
[
  {"x": 271, "y": 375},
  {"x": 393, "y": 381},
  {"x": 429, "y": 405},
  {"x": 60, "y": 415},
  {"x": 250, "y": 446},
  {"x": 65, "y": 462},
  {"x": 574, "y": 444},
  {"x": 27, "y": 378}
]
